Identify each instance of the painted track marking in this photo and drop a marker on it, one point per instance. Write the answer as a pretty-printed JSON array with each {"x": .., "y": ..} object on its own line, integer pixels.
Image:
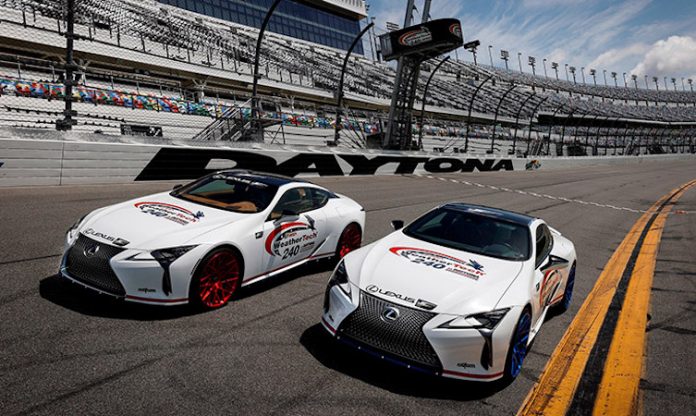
[
  {"x": 618, "y": 392},
  {"x": 558, "y": 382},
  {"x": 543, "y": 196}
]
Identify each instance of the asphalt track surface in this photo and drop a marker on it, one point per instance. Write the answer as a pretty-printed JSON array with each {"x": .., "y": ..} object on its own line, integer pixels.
[{"x": 66, "y": 351}]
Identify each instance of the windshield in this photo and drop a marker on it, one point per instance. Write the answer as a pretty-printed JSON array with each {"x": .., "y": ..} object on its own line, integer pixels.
[
  {"x": 473, "y": 233},
  {"x": 232, "y": 193}
]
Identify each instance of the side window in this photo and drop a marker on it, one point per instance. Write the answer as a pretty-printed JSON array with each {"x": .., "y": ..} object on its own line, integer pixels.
[
  {"x": 297, "y": 200},
  {"x": 319, "y": 197},
  {"x": 543, "y": 244}
]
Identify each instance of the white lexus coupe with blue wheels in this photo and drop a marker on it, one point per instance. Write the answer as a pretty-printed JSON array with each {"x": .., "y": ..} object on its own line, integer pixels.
[
  {"x": 460, "y": 292},
  {"x": 200, "y": 242}
]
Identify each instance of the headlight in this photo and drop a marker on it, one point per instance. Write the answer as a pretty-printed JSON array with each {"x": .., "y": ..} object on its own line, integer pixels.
[
  {"x": 72, "y": 231},
  {"x": 167, "y": 256},
  {"x": 485, "y": 320},
  {"x": 340, "y": 278}
]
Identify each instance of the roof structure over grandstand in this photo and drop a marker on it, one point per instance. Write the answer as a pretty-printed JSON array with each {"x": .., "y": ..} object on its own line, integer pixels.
[
  {"x": 331, "y": 23},
  {"x": 190, "y": 69}
]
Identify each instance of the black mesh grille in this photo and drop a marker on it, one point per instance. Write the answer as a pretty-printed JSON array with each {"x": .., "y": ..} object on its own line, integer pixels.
[
  {"x": 95, "y": 270},
  {"x": 402, "y": 337}
]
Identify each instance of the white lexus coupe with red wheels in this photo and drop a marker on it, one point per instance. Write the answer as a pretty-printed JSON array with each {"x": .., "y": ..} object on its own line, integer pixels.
[
  {"x": 200, "y": 242},
  {"x": 461, "y": 292}
]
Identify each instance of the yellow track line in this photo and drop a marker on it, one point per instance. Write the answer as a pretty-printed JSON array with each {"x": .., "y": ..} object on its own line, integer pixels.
[
  {"x": 619, "y": 388},
  {"x": 553, "y": 393}
]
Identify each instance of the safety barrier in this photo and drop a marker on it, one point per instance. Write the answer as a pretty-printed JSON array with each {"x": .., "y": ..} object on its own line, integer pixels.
[{"x": 25, "y": 162}]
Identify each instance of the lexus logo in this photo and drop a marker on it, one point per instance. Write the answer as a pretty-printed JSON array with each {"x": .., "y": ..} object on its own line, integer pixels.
[
  {"x": 390, "y": 314},
  {"x": 91, "y": 251}
]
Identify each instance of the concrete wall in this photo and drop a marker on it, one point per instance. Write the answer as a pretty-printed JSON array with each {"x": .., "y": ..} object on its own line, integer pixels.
[{"x": 25, "y": 162}]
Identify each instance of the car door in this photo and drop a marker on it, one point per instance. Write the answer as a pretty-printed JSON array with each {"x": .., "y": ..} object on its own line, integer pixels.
[{"x": 294, "y": 230}]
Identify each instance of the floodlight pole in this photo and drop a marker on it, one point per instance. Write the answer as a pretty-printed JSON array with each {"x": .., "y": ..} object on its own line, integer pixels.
[
  {"x": 425, "y": 93},
  {"x": 545, "y": 74},
  {"x": 254, "y": 90},
  {"x": 67, "y": 122},
  {"x": 339, "y": 93}
]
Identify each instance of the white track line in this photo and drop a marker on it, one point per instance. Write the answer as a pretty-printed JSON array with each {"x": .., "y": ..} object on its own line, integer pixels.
[{"x": 537, "y": 195}]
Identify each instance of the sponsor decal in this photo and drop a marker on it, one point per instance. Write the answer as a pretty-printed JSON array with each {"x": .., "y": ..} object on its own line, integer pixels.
[
  {"x": 146, "y": 290},
  {"x": 416, "y": 37},
  {"x": 182, "y": 163},
  {"x": 533, "y": 164},
  {"x": 389, "y": 293},
  {"x": 466, "y": 365},
  {"x": 245, "y": 181},
  {"x": 419, "y": 303},
  {"x": 439, "y": 261},
  {"x": 456, "y": 30},
  {"x": 551, "y": 282},
  {"x": 169, "y": 212},
  {"x": 290, "y": 239},
  {"x": 117, "y": 241}
]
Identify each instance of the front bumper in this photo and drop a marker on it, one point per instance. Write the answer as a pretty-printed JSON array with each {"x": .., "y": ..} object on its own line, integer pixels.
[
  {"x": 465, "y": 354},
  {"x": 111, "y": 271}
]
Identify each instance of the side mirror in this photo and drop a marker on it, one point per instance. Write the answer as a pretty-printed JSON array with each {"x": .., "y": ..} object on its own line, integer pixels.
[
  {"x": 555, "y": 262},
  {"x": 397, "y": 224}
]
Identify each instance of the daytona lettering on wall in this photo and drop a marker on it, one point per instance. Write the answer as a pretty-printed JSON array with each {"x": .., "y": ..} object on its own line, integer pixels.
[{"x": 185, "y": 163}]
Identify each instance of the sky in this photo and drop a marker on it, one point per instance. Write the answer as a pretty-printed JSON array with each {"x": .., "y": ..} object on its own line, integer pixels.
[{"x": 642, "y": 37}]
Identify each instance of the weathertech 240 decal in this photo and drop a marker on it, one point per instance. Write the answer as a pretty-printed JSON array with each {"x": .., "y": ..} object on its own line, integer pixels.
[
  {"x": 170, "y": 212},
  {"x": 290, "y": 239},
  {"x": 439, "y": 261}
]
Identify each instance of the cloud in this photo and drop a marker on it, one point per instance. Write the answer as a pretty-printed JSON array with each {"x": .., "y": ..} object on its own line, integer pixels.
[
  {"x": 616, "y": 56},
  {"x": 674, "y": 56},
  {"x": 551, "y": 3},
  {"x": 573, "y": 32}
]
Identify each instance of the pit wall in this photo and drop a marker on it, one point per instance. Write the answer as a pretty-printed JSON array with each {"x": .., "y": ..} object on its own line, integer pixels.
[{"x": 27, "y": 162}]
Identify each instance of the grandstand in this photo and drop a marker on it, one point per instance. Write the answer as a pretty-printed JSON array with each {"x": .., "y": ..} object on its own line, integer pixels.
[{"x": 153, "y": 69}]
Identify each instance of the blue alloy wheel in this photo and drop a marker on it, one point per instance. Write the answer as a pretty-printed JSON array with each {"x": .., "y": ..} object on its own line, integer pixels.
[{"x": 519, "y": 344}]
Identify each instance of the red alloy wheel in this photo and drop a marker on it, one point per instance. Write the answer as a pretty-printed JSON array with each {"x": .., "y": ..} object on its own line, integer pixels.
[
  {"x": 219, "y": 279},
  {"x": 349, "y": 241}
]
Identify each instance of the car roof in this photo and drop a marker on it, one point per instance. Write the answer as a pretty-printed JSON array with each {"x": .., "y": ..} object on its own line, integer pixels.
[
  {"x": 491, "y": 212},
  {"x": 262, "y": 177}
]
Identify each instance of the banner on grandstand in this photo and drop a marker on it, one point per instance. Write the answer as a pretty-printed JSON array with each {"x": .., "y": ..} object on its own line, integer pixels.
[
  {"x": 429, "y": 39},
  {"x": 141, "y": 130}
]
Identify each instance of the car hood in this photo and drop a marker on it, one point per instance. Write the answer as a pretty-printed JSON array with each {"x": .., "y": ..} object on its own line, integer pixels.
[
  {"x": 405, "y": 270},
  {"x": 155, "y": 221}
]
